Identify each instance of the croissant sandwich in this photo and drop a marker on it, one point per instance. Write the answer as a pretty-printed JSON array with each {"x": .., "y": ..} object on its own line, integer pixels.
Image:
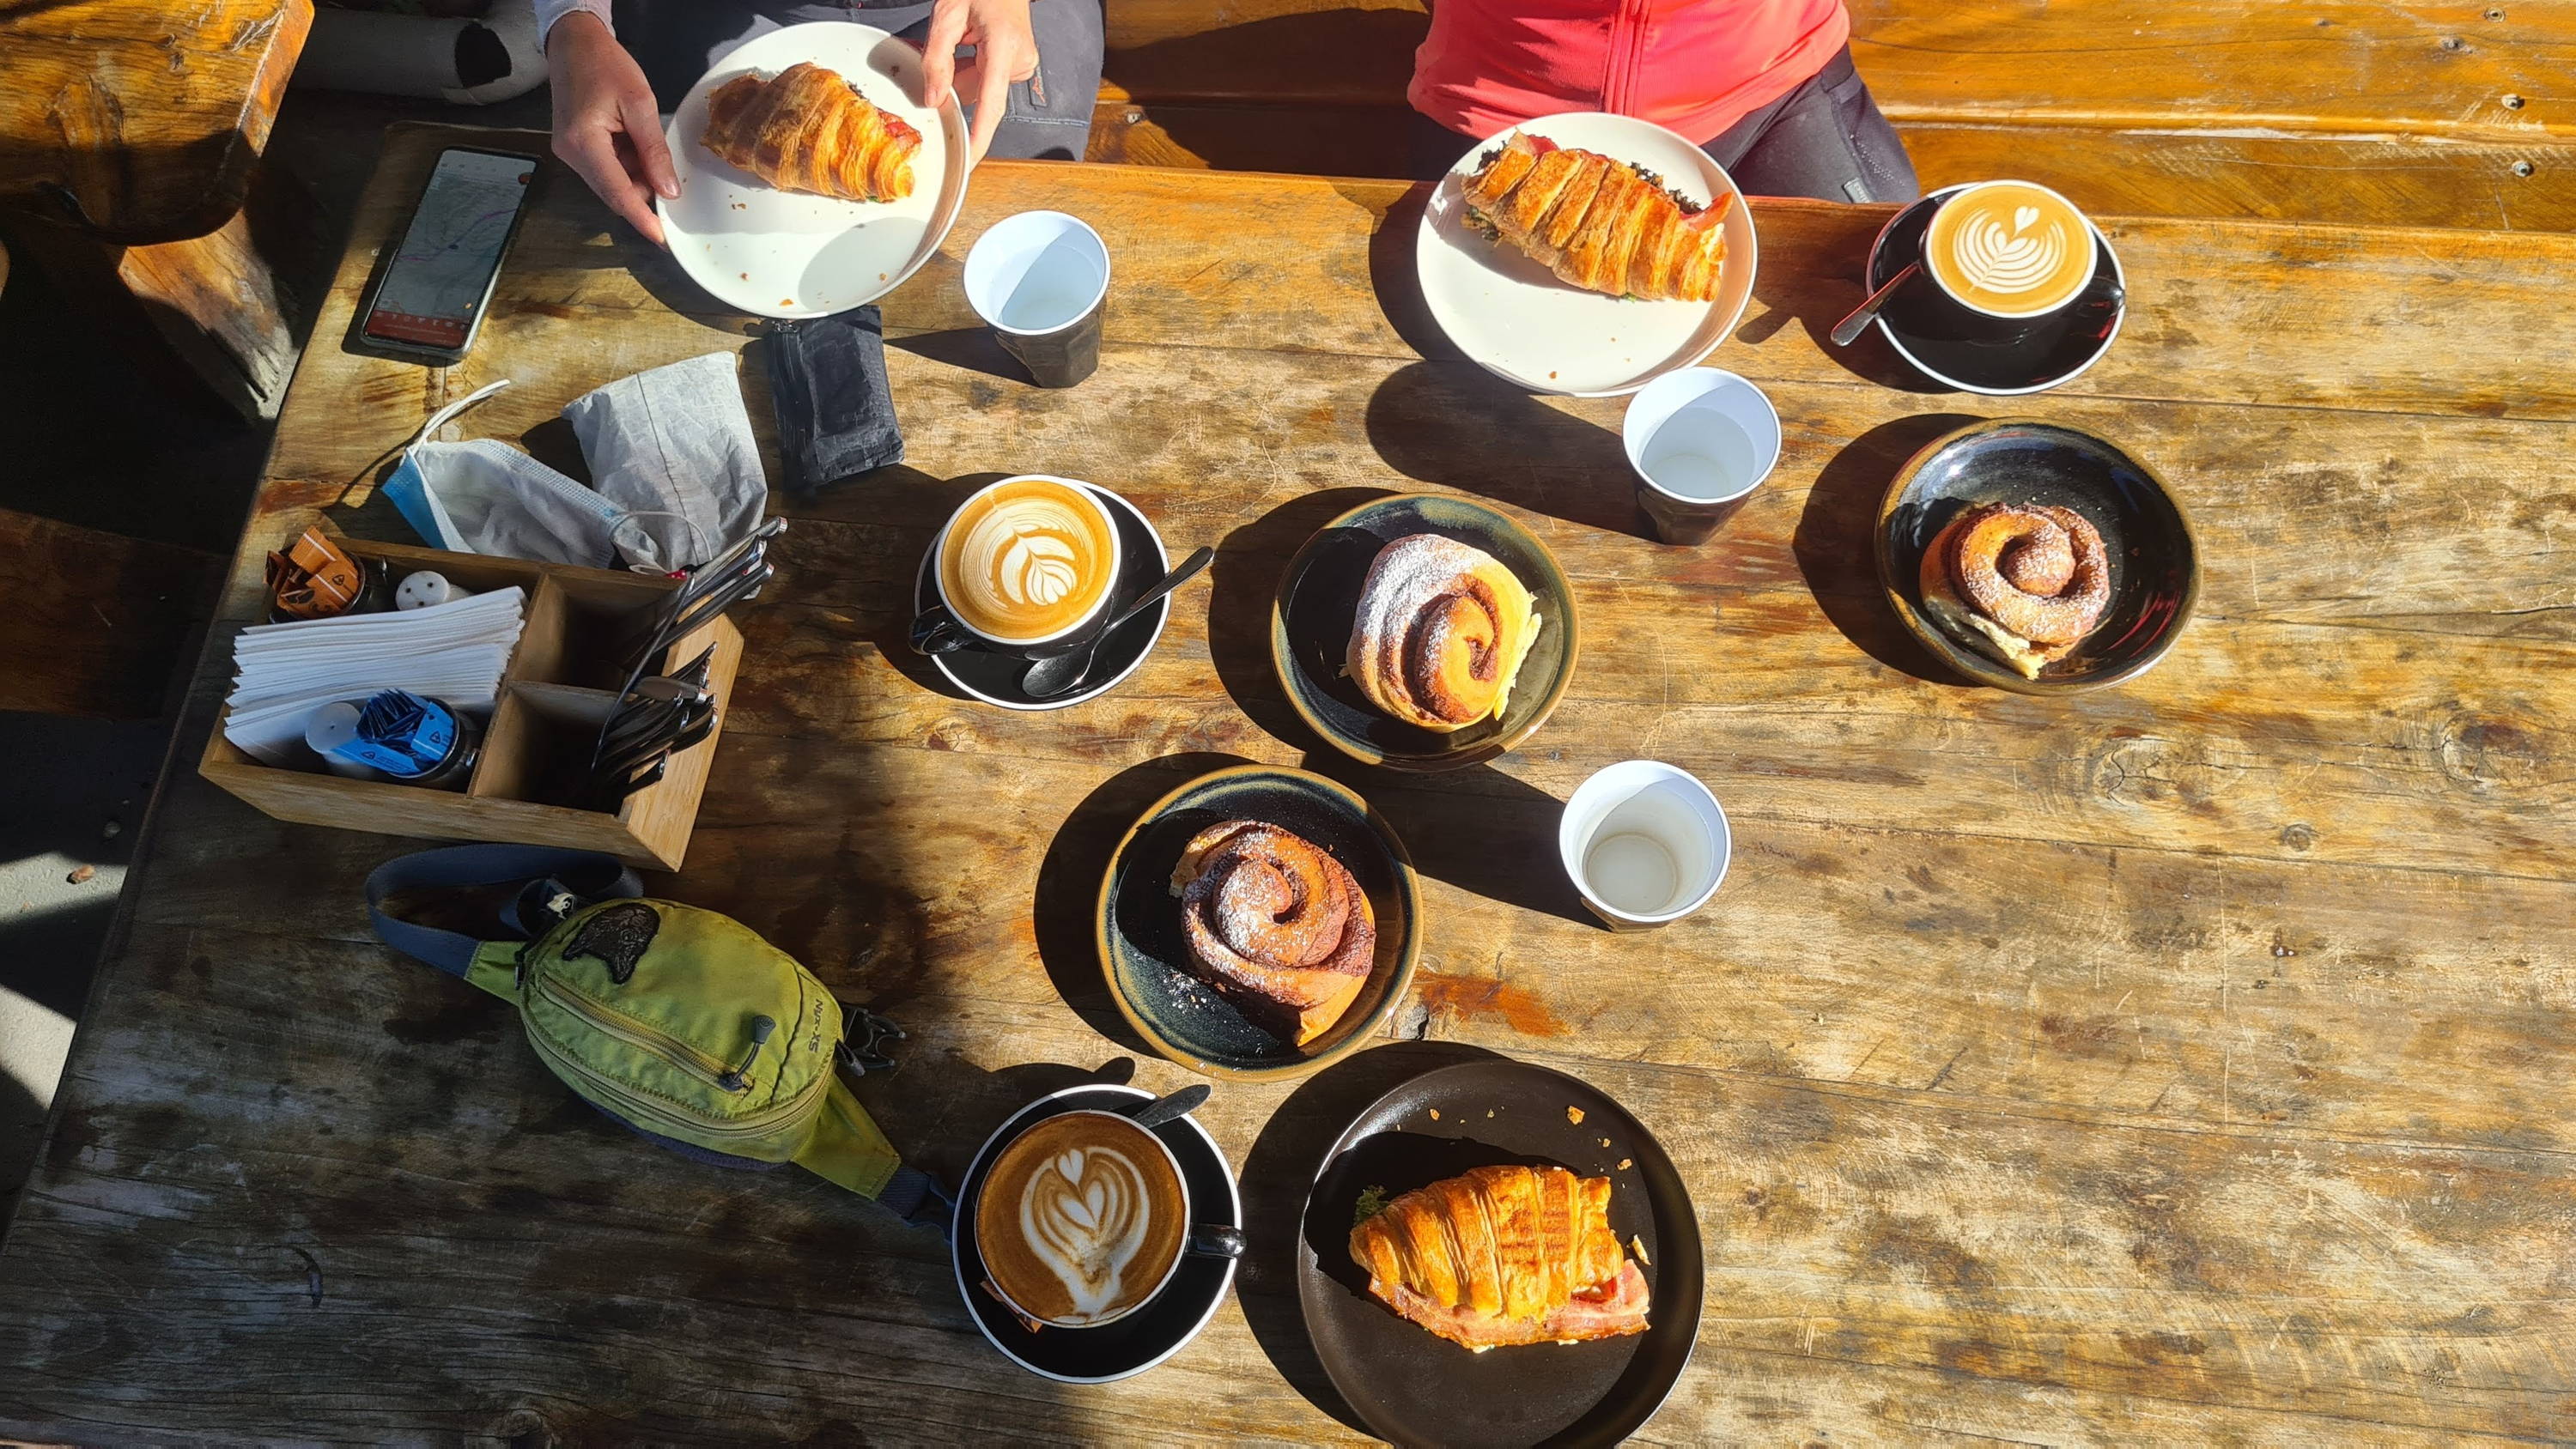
[
  {"x": 1599, "y": 224},
  {"x": 1441, "y": 631},
  {"x": 1277, "y": 926},
  {"x": 806, "y": 129},
  {"x": 1504, "y": 1255},
  {"x": 2023, "y": 584}
]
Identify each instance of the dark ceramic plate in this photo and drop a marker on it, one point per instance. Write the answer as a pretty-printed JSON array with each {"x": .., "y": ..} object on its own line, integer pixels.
[
  {"x": 2155, "y": 565},
  {"x": 1310, "y": 632},
  {"x": 1926, "y": 330},
  {"x": 1152, "y": 1333},
  {"x": 1414, "y": 1388},
  {"x": 1142, "y": 949},
  {"x": 995, "y": 678}
]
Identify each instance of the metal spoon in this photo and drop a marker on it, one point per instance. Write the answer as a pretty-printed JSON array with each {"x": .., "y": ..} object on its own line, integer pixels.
[
  {"x": 1852, "y": 326},
  {"x": 1172, "y": 1108},
  {"x": 1055, "y": 675}
]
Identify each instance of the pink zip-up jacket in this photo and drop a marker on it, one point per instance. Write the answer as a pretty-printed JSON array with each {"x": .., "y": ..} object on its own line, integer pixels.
[{"x": 1697, "y": 66}]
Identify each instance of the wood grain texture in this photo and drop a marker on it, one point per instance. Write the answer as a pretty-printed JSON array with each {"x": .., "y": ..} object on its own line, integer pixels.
[
  {"x": 2354, "y": 111},
  {"x": 2181, "y": 1064},
  {"x": 138, "y": 120},
  {"x": 96, "y": 621}
]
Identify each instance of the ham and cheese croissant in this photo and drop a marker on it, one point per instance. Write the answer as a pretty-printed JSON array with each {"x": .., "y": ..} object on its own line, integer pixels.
[
  {"x": 1504, "y": 1255},
  {"x": 1598, "y": 224},
  {"x": 807, "y": 129},
  {"x": 1440, "y": 633}
]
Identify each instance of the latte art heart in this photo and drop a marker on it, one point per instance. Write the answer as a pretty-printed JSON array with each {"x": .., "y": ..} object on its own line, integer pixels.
[{"x": 1085, "y": 1216}]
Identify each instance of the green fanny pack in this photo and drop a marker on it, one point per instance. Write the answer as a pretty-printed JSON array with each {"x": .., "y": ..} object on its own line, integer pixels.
[{"x": 679, "y": 1022}]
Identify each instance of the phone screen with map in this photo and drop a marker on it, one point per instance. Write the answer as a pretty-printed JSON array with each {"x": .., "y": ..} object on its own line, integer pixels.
[{"x": 432, "y": 293}]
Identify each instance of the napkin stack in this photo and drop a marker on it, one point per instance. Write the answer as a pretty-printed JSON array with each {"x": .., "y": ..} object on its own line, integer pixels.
[{"x": 283, "y": 672}]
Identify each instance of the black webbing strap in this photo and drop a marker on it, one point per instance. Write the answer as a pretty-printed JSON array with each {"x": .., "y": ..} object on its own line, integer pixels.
[{"x": 586, "y": 875}]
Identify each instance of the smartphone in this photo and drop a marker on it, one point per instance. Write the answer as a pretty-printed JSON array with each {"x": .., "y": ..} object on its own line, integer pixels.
[{"x": 430, "y": 295}]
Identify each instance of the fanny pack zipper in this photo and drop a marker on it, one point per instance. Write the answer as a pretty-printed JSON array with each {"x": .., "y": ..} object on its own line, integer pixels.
[{"x": 677, "y": 1053}]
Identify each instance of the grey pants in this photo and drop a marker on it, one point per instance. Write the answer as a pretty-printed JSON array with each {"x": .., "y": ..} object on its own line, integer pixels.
[{"x": 1048, "y": 116}]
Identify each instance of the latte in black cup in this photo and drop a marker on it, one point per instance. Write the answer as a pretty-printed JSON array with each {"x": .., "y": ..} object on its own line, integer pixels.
[
  {"x": 1081, "y": 1219},
  {"x": 2009, "y": 249}
]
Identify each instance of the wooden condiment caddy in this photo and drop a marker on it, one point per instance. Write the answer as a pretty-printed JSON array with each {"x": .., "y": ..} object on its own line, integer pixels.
[{"x": 560, "y": 686}]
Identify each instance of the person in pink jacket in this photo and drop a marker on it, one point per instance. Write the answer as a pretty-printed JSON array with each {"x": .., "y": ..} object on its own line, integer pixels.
[{"x": 1764, "y": 86}]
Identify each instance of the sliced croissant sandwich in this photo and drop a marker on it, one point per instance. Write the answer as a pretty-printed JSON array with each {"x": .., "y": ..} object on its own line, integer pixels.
[
  {"x": 1599, "y": 224},
  {"x": 806, "y": 129},
  {"x": 1504, "y": 1255}
]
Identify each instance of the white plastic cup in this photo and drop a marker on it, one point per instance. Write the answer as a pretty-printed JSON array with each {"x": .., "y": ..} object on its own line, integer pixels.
[
  {"x": 1645, "y": 843},
  {"x": 1701, "y": 439},
  {"x": 1039, "y": 280}
]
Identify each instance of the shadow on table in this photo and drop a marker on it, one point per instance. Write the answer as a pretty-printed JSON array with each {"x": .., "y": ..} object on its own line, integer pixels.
[
  {"x": 1398, "y": 284},
  {"x": 1792, "y": 292},
  {"x": 1281, "y": 1169},
  {"x": 1250, "y": 562},
  {"x": 972, "y": 348},
  {"x": 1066, "y": 911},
  {"x": 1836, "y": 549},
  {"x": 1459, "y": 426},
  {"x": 1478, "y": 829}
]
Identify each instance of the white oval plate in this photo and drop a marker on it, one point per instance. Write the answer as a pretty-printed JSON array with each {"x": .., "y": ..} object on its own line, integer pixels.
[
  {"x": 780, "y": 253},
  {"x": 1513, "y": 315}
]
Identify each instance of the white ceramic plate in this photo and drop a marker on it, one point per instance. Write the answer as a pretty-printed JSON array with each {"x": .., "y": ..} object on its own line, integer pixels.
[
  {"x": 1513, "y": 315},
  {"x": 785, "y": 254}
]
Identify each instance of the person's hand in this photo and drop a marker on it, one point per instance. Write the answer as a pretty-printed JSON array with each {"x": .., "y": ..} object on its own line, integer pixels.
[
  {"x": 1006, "y": 50},
  {"x": 607, "y": 128}
]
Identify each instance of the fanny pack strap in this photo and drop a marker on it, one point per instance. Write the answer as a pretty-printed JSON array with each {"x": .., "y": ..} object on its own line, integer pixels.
[{"x": 557, "y": 882}]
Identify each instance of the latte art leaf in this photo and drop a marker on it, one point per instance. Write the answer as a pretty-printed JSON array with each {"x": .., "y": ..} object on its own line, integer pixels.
[
  {"x": 1037, "y": 568},
  {"x": 1086, "y": 1214},
  {"x": 2010, "y": 259}
]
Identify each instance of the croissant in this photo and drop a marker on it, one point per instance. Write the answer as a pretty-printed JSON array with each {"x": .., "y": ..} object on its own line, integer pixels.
[
  {"x": 807, "y": 129},
  {"x": 1504, "y": 1255},
  {"x": 1441, "y": 631},
  {"x": 1599, "y": 224},
  {"x": 2024, "y": 584},
  {"x": 1277, "y": 926}
]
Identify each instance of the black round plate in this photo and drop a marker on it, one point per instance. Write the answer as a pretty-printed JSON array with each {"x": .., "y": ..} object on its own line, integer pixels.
[
  {"x": 1414, "y": 1388},
  {"x": 1310, "y": 632},
  {"x": 1138, "y": 926},
  {"x": 995, "y": 678},
  {"x": 1152, "y": 1333},
  {"x": 1919, "y": 322},
  {"x": 2155, "y": 564}
]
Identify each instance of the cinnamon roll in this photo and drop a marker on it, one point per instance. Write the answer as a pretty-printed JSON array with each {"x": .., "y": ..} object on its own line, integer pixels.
[
  {"x": 2024, "y": 584},
  {"x": 1276, "y": 925},
  {"x": 1441, "y": 631}
]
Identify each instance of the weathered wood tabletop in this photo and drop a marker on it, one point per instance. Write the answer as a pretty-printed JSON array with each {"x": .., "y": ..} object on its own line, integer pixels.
[
  {"x": 2185, "y": 1062},
  {"x": 138, "y": 119}
]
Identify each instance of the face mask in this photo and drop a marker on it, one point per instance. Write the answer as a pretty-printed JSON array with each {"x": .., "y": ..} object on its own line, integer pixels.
[{"x": 487, "y": 497}]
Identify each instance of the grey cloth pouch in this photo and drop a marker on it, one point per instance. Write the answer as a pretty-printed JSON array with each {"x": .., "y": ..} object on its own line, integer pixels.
[{"x": 673, "y": 449}]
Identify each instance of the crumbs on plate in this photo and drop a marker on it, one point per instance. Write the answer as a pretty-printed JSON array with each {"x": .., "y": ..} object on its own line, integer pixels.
[
  {"x": 1435, "y": 1114},
  {"x": 1626, "y": 1162},
  {"x": 1639, "y": 1244},
  {"x": 1574, "y": 1115}
]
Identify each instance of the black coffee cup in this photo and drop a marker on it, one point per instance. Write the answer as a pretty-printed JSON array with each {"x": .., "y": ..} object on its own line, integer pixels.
[
  {"x": 1040, "y": 280},
  {"x": 938, "y": 630},
  {"x": 1928, "y": 309}
]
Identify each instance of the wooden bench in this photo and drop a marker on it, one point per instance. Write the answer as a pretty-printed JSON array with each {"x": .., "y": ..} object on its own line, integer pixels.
[
  {"x": 2353, "y": 111},
  {"x": 97, "y": 621}
]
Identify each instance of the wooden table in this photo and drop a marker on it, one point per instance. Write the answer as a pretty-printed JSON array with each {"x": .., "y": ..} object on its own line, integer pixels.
[{"x": 2182, "y": 1063}]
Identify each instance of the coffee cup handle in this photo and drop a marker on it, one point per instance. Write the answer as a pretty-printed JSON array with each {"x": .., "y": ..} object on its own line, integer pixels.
[
  {"x": 936, "y": 631},
  {"x": 1215, "y": 1240}
]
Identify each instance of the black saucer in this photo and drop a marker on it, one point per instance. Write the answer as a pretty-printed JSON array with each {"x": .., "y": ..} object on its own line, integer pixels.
[
  {"x": 1152, "y": 1333},
  {"x": 995, "y": 678},
  {"x": 1928, "y": 332}
]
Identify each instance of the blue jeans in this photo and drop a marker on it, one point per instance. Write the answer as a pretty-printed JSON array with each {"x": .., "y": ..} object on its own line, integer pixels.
[{"x": 1048, "y": 116}]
